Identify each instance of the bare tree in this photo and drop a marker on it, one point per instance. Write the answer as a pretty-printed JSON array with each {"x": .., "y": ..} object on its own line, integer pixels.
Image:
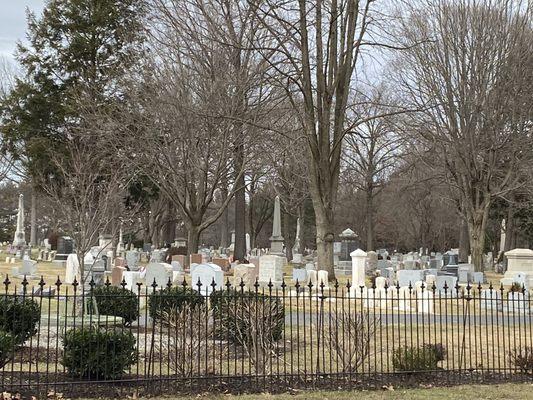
[
  {"x": 88, "y": 191},
  {"x": 472, "y": 76},
  {"x": 372, "y": 152},
  {"x": 204, "y": 108},
  {"x": 318, "y": 45},
  {"x": 260, "y": 207},
  {"x": 7, "y": 77}
]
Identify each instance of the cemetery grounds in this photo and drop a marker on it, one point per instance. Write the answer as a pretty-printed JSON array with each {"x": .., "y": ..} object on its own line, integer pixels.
[{"x": 328, "y": 339}]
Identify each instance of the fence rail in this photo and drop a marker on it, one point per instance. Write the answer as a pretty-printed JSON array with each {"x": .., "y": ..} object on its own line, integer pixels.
[{"x": 82, "y": 340}]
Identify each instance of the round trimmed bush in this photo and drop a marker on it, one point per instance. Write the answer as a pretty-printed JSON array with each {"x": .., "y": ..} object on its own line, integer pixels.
[
  {"x": 91, "y": 353},
  {"x": 117, "y": 301},
  {"x": 171, "y": 300},
  {"x": 414, "y": 359},
  {"x": 19, "y": 317},
  {"x": 8, "y": 346}
]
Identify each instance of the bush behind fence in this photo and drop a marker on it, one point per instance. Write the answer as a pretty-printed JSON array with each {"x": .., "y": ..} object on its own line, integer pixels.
[{"x": 181, "y": 338}]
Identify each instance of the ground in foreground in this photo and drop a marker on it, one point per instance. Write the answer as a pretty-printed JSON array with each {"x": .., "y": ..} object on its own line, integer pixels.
[{"x": 508, "y": 391}]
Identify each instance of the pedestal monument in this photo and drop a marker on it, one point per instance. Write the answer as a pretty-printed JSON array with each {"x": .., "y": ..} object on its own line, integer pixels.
[
  {"x": 19, "y": 240},
  {"x": 276, "y": 240}
]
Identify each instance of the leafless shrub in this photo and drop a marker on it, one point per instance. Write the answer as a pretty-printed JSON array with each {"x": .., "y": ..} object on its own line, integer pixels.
[
  {"x": 185, "y": 337},
  {"x": 253, "y": 321},
  {"x": 522, "y": 359},
  {"x": 349, "y": 336}
]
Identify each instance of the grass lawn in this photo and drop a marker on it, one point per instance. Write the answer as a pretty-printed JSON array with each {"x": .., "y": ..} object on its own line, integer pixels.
[{"x": 507, "y": 391}]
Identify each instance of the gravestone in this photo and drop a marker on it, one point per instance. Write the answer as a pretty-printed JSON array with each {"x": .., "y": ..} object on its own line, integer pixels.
[
  {"x": 120, "y": 262},
  {"x": 410, "y": 264},
  {"x": 132, "y": 260},
  {"x": 182, "y": 259},
  {"x": 478, "y": 278},
  {"x": 322, "y": 279},
  {"x": 276, "y": 240},
  {"x": 160, "y": 272},
  {"x": 425, "y": 302},
  {"x": 65, "y": 246},
  {"x": 430, "y": 281},
  {"x": 519, "y": 261},
  {"x": 521, "y": 279},
  {"x": 271, "y": 269},
  {"x": 312, "y": 278},
  {"x": 206, "y": 274},
  {"x": 297, "y": 258},
  {"x": 491, "y": 299},
  {"x": 463, "y": 273},
  {"x": 132, "y": 278},
  {"x": 358, "y": 271},
  {"x": 435, "y": 263},
  {"x": 382, "y": 264},
  {"x": 349, "y": 243},
  {"x": 254, "y": 261},
  {"x": 196, "y": 258},
  {"x": 404, "y": 298},
  {"x": 72, "y": 269},
  {"x": 88, "y": 259},
  {"x": 158, "y": 256},
  {"x": 408, "y": 277},
  {"x": 176, "y": 266},
  {"x": 97, "y": 271},
  {"x": 222, "y": 263},
  {"x": 389, "y": 274},
  {"x": 117, "y": 275},
  {"x": 450, "y": 282},
  {"x": 372, "y": 261},
  {"x": 517, "y": 303},
  {"x": 245, "y": 272},
  {"x": 299, "y": 274},
  {"x": 28, "y": 269},
  {"x": 450, "y": 258}
]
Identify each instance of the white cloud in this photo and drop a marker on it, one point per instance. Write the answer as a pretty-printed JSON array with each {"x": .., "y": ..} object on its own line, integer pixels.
[{"x": 13, "y": 23}]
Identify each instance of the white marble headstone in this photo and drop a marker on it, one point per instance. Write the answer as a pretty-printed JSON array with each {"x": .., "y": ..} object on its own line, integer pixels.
[
  {"x": 271, "y": 269},
  {"x": 206, "y": 274}
]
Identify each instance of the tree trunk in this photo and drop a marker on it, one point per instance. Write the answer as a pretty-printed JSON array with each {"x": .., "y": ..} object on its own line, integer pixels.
[
  {"x": 33, "y": 219},
  {"x": 369, "y": 220},
  {"x": 224, "y": 229},
  {"x": 193, "y": 239},
  {"x": 224, "y": 218},
  {"x": 288, "y": 236},
  {"x": 509, "y": 229},
  {"x": 477, "y": 226},
  {"x": 301, "y": 215},
  {"x": 240, "y": 208},
  {"x": 324, "y": 242},
  {"x": 464, "y": 243}
]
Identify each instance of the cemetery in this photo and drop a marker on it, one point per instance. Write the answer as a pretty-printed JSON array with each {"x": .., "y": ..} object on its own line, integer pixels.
[
  {"x": 206, "y": 315},
  {"x": 215, "y": 198}
]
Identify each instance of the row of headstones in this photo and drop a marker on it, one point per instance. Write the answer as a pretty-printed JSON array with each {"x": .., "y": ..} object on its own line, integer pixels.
[
  {"x": 422, "y": 300},
  {"x": 46, "y": 255},
  {"x": 265, "y": 269},
  {"x": 464, "y": 274}
]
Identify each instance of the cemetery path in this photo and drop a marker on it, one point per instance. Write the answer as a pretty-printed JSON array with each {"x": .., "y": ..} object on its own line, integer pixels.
[
  {"x": 413, "y": 319},
  {"x": 498, "y": 319}
]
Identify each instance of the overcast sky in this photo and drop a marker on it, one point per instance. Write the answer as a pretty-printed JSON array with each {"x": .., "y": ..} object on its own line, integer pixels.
[{"x": 13, "y": 23}]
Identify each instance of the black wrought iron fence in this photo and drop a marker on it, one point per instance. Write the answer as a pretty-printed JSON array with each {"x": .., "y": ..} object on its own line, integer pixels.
[{"x": 87, "y": 340}]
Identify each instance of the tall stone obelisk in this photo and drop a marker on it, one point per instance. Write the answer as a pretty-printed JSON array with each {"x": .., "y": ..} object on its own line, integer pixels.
[
  {"x": 20, "y": 238},
  {"x": 276, "y": 240}
]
